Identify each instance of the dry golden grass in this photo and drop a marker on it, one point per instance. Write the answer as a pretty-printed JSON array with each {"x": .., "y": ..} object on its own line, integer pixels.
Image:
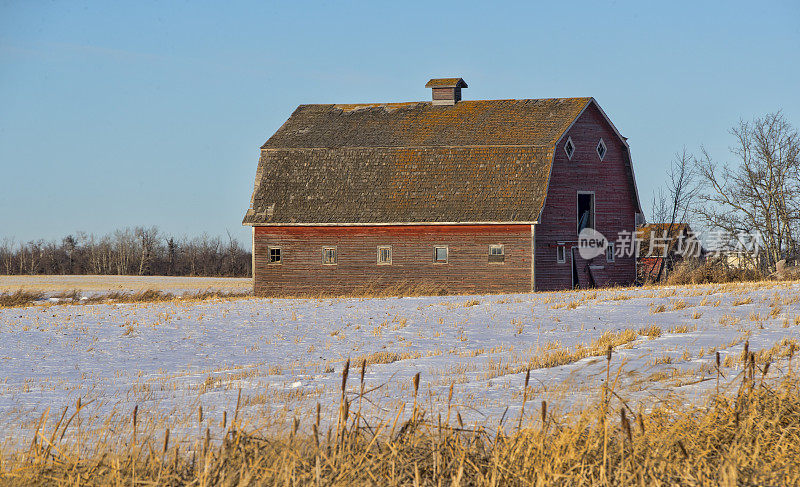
[
  {"x": 104, "y": 283},
  {"x": 553, "y": 354},
  {"x": 729, "y": 320},
  {"x": 683, "y": 329},
  {"x": 379, "y": 290},
  {"x": 143, "y": 289},
  {"x": 782, "y": 349},
  {"x": 570, "y": 304},
  {"x": 27, "y": 298},
  {"x": 651, "y": 332},
  {"x": 152, "y": 295},
  {"x": 679, "y": 304},
  {"x": 711, "y": 271},
  {"x": 618, "y": 296},
  {"x": 750, "y": 437},
  {"x": 384, "y": 357},
  {"x": 664, "y": 359},
  {"x": 19, "y": 298}
]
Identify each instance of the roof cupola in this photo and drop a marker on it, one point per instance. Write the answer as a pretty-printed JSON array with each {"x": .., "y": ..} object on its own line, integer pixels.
[{"x": 446, "y": 91}]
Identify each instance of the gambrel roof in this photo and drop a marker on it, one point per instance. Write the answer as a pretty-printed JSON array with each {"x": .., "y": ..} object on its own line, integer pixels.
[{"x": 473, "y": 162}]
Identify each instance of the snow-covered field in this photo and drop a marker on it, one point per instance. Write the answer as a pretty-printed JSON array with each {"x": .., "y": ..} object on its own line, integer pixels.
[{"x": 287, "y": 355}]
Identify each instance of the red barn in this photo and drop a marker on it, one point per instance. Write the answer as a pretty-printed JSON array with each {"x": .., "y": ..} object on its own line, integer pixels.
[{"x": 466, "y": 196}]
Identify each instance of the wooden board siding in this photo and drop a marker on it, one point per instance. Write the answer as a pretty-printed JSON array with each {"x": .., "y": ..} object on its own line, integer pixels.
[
  {"x": 447, "y": 94},
  {"x": 468, "y": 268},
  {"x": 614, "y": 205}
]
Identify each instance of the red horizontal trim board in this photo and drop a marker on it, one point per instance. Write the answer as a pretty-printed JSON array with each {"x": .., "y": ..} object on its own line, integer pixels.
[{"x": 409, "y": 230}]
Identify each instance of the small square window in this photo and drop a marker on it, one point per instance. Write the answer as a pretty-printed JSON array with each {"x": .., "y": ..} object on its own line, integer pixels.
[
  {"x": 440, "y": 255},
  {"x": 384, "y": 255},
  {"x": 495, "y": 250},
  {"x": 610, "y": 253},
  {"x": 601, "y": 149},
  {"x": 274, "y": 255},
  {"x": 569, "y": 148},
  {"x": 561, "y": 254},
  {"x": 497, "y": 253},
  {"x": 329, "y": 255}
]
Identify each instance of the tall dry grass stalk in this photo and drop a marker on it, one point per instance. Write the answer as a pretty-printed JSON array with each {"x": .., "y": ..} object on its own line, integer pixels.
[{"x": 751, "y": 437}]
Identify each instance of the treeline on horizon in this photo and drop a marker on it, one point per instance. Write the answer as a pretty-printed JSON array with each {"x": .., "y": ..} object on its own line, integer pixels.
[{"x": 141, "y": 251}]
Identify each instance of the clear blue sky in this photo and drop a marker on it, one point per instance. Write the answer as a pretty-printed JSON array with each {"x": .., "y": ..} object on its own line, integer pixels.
[{"x": 145, "y": 113}]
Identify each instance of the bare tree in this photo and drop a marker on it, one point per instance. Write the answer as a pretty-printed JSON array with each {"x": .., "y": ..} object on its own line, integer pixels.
[
  {"x": 125, "y": 247},
  {"x": 148, "y": 238},
  {"x": 172, "y": 249},
  {"x": 760, "y": 190},
  {"x": 141, "y": 251},
  {"x": 69, "y": 246},
  {"x": 32, "y": 256},
  {"x": 7, "y": 254},
  {"x": 673, "y": 204},
  {"x": 100, "y": 255}
]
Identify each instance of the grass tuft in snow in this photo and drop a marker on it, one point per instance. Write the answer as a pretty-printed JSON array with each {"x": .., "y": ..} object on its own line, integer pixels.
[{"x": 19, "y": 298}]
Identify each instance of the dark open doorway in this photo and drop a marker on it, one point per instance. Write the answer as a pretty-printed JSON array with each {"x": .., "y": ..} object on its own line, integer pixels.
[{"x": 585, "y": 211}]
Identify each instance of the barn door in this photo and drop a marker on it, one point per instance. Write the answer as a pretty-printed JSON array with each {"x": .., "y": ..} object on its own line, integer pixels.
[{"x": 582, "y": 274}]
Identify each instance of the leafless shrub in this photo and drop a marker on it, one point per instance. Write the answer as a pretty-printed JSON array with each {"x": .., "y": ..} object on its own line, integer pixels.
[{"x": 710, "y": 271}]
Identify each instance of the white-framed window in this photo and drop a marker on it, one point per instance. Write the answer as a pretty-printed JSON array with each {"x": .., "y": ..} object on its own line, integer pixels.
[
  {"x": 440, "y": 254},
  {"x": 601, "y": 149},
  {"x": 561, "y": 254},
  {"x": 275, "y": 255},
  {"x": 610, "y": 252},
  {"x": 497, "y": 253},
  {"x": 329, "y": 256},
  {"x": 569, "y": 148},
  {"x": 384, "y": 255}
]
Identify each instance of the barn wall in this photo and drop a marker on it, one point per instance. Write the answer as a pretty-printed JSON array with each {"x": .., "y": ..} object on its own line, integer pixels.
[
  {"x": 614, "y": 205},
  {"x": 468, "y": 269}
]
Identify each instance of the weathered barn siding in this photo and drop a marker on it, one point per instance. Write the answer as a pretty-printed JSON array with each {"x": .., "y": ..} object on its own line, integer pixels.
[
  {"x": 468, "y": 268},
  {"x": 615, "y": 204}
]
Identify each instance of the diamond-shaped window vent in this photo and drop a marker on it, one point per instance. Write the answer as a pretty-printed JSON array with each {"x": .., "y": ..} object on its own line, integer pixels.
[
  {"x": 601, "y": 149},
  {"x": 569, "y": 148}
]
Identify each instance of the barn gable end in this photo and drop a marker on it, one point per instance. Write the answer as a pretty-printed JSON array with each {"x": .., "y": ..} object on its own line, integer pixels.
[{"x": 616, "y": 204}]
